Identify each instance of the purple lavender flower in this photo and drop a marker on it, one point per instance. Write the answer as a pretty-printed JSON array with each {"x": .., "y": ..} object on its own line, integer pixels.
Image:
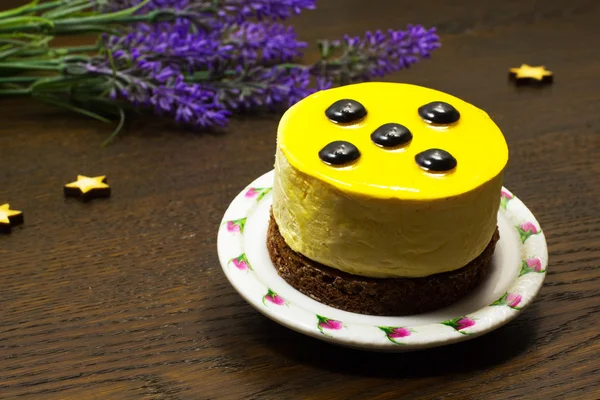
[
  {"x": 190, "y": 104},
  {"x": 264, "y": 87},
  {"x": 198, "y": 60},
  {"x": 187, "y": 103},
  {"x": 376, "y": 54},
  {"x": 152, "y": 48},
  {"x": 266, "y": 42},
  {"x": 287, "y": 85},
  {"x": 241, "y": 10},
  {"x": 150, "y": 72},
  {"x": 188, "y": 14},
  {"x": 168, "y": 53},
  {"x": 116, "y": 5},
  {"x": 228, "y": 10}
]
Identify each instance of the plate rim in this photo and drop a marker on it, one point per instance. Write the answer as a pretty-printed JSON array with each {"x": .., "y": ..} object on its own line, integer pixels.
[{"x": 521, "y": 293}]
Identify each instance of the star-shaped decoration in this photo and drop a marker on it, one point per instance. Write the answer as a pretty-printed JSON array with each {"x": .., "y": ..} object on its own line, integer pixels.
[
  {"x": 87, "y": 188},
  {"x": 529, "y": 74},
  {"x": 9, "y": 218}
]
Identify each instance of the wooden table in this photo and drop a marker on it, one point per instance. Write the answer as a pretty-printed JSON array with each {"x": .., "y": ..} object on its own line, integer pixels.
[{"x": 125, "y": 298}]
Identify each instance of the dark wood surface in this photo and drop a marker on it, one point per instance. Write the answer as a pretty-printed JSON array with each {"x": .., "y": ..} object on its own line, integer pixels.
[{"x": 125, "y": 298}]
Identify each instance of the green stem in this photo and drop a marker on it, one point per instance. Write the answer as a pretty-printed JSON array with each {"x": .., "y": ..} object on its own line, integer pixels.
[
  {"x": 17, "y": 79},
  {"x": 14, "y": 42},
  {"x": 60, "y": 51},
  {"x": 49, "y": 80},
  {"x": 15, "y": 92},
  {"x": 14, "y": 35},
  {"x": 290, "y": 65},
  {"x": 32, "y": 62},
  {"x": 71, "y": 8},
  {"x": 30, "y": 66},
  {"x": 208, "y": 75},
  {"x": 84, "y": 29},
  {"x": 109, "y": 17},
  {"x": 117, "y": 129},
  {"x": 24, "y": 23},
  {"x": 65, "y": 104},
  {"x": 77, "y": 49},
  {"x": 36, "y": 62},
  {"x": 152, "y": 16},
  {"x": 16, "y": 23},
  {"x": 31, "y": 8},
  {"x": 16, "y": 50}
]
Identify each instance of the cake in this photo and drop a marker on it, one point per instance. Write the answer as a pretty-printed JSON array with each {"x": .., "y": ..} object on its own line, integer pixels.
[{"x": 385, "y": 197}]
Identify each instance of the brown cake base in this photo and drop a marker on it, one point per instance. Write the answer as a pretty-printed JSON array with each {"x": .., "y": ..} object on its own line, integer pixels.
[{"x": 375, "y": 296}]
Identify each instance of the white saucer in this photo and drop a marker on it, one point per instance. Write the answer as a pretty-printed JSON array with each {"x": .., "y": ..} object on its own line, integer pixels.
[{"x": 518, "y": 271}]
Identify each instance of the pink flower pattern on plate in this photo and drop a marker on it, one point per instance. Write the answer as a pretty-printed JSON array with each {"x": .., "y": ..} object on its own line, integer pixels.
[
  {"x": 241, "y": 262},
  {"x": 328, "y": 324},
  {"x": 505, "y": 197},
  {"x": 257, "y": 193},
  {"x": 509, "y": 299},
  {"x": 526, "y": 230},
  {"x": 236, "y": 225},
  {"x": 460, "y": 323},
  {"x": 533, "y": 264},
  {"x": 395, "y": 332},
  {"x": 513, "y": 299},
  {"x": 273, "y": 298},
  {"x": 250, "y": 193},
  {"x": 464, "y": 323}
]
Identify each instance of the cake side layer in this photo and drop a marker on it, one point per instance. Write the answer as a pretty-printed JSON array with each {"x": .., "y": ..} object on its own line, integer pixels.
[
  {"x": 378, "y": 237},
  {"x": 402, "y": 296},
  {"x": 466, "y": 146}
]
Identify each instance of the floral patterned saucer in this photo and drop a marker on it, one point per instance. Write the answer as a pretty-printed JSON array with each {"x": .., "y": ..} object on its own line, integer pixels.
[{"x": 518, "y": 272}]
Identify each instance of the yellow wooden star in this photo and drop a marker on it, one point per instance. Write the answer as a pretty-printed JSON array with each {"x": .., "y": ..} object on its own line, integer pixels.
[
  {"x": 525, "y": 71},
  {"x": 88, "y": 187},
  {"x": 9, "y": 218}
]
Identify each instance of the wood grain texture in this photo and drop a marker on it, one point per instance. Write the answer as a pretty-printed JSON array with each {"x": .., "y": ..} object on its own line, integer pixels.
[{"x": 125, "y": 299}]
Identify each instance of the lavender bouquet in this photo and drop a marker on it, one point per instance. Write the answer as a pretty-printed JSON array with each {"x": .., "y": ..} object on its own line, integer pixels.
[{"x": 196, "y": 61}]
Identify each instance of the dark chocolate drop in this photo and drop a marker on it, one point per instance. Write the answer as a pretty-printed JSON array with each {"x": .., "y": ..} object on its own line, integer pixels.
[
  {"x": 339, "y": 153},
  {"x": 346, "y": 111},
  {"x": 436, "y": 160},
  {"x": 439, "y": 112},
  {"x": 391, "y": 135}
]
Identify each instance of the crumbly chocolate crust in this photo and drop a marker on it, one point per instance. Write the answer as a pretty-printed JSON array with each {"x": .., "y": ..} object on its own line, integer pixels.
[{"x": 375, "y": 296}]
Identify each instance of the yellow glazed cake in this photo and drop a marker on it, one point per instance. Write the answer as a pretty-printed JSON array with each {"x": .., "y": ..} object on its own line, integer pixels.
[{"x": 385, "y": 182}]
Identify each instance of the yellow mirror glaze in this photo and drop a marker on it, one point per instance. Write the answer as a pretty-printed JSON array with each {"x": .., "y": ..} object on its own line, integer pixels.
[
  {"x": 475, "y": 141},
  {"x": 383, "y": 215}
]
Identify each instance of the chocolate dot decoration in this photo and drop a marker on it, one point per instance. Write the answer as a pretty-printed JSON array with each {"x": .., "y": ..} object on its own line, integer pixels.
[
  {"x": 346, "y": 111},
  {"x": 439, "y": 112},
  {"x": 436, "y": 160},
  {"x": 339, "y": 153},
  {"x": 391, "y": 135}
]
